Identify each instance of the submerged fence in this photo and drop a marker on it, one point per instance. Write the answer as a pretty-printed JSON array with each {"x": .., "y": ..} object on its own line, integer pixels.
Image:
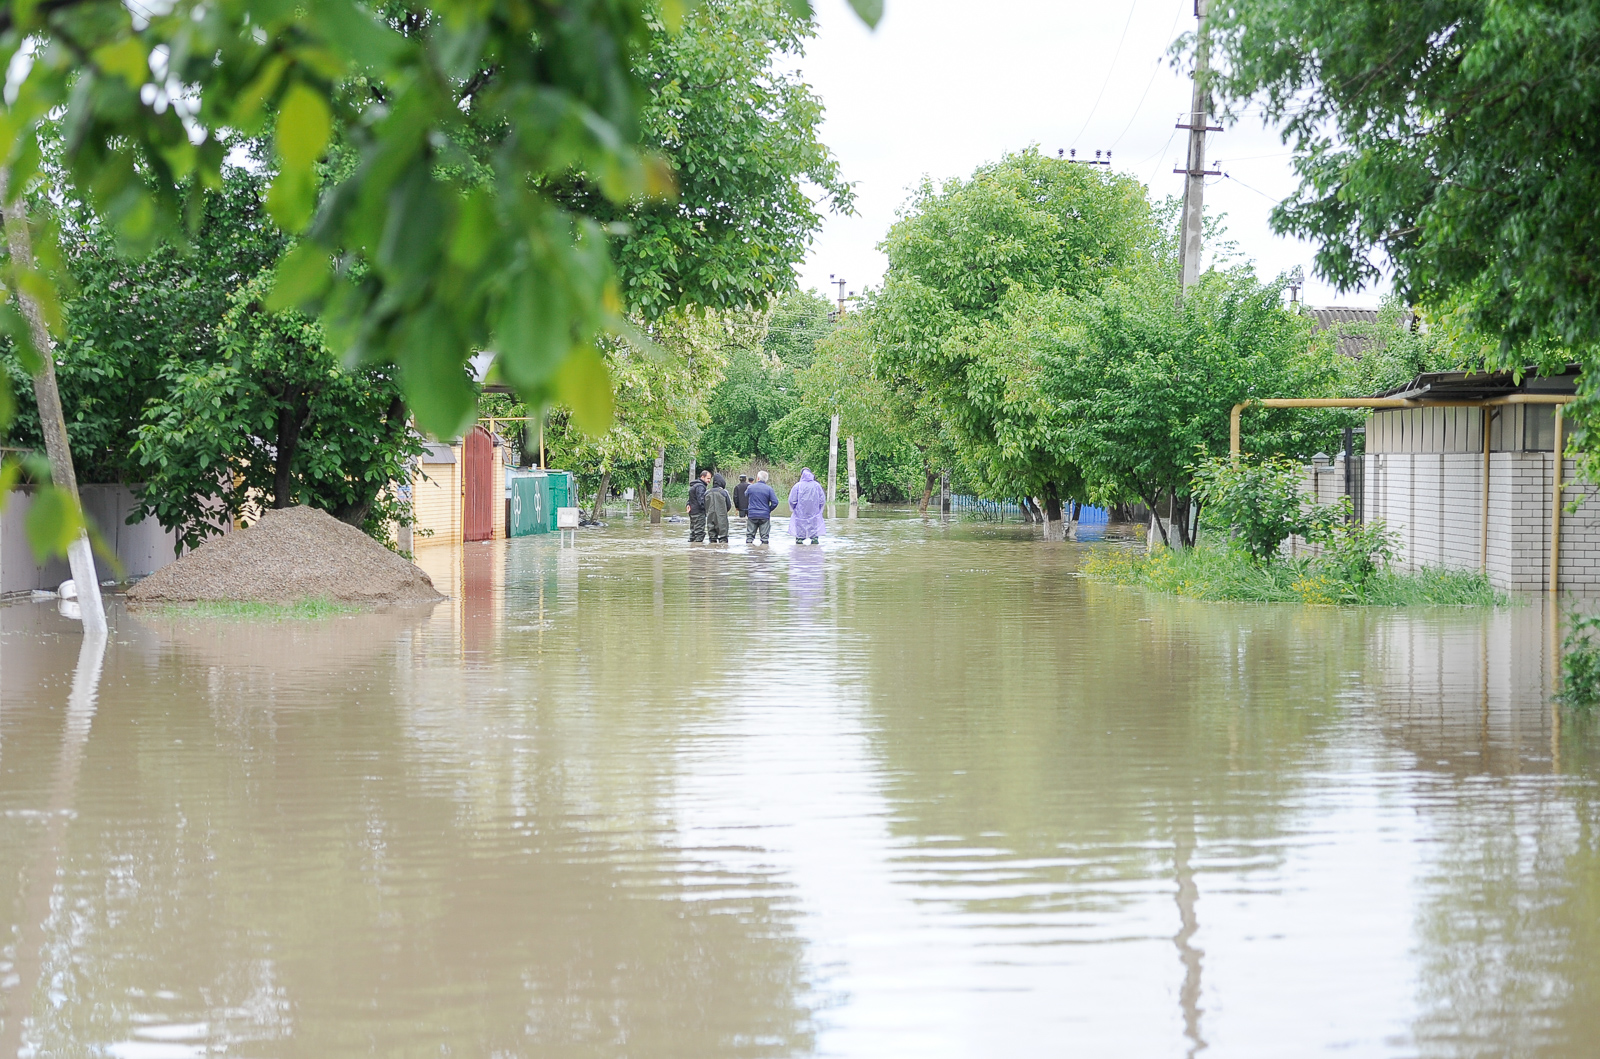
[{"x": 1008, "y": 510}]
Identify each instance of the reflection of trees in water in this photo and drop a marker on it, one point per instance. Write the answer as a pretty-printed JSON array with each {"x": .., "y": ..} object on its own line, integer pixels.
[
  {"x": 1085, "y": 737},
  {"x": 1091, "y": 735},
  {"x": 397, "y": 857}
]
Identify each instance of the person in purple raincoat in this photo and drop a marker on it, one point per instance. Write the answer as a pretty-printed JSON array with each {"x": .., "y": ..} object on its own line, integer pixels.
[{"x": 805, "y": 507}]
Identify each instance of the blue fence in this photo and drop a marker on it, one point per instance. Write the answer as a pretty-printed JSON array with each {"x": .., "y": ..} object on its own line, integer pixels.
[{"x": 1003, "y": 510}]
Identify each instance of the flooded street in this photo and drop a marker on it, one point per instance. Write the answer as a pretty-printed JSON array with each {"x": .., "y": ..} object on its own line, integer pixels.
[{"x": 919, "y": 792}]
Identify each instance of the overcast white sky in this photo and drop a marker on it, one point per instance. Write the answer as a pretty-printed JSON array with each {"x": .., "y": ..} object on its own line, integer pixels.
[{"x": 943, "y": 86}]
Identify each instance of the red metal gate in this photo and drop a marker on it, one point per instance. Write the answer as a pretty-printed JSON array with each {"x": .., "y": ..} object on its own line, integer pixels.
[{"x": 478, "y": 486}]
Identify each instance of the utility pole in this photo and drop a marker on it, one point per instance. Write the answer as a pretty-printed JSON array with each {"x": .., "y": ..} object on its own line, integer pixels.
[
  {"x": 833, "y": 460},
  {"x": 840, "y": 284},
  {"x": 850, "y": 447},
  {"x": 657, "y": 485},
  {"x": 1194, "y": 185}
]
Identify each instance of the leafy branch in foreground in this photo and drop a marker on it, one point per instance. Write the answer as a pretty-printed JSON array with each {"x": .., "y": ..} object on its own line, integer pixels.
[{"x": 447, "y": 224}]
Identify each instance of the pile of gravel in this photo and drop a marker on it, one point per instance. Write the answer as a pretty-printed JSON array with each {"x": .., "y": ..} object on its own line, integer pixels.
[{"x": 291, "y": 554}]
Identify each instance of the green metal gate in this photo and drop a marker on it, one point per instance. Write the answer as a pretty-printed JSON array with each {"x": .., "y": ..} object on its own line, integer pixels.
[
  {"x": 535, "y": 498},
  {"x": 563, "y": 493},
  {"x": 531, "y": 510}
]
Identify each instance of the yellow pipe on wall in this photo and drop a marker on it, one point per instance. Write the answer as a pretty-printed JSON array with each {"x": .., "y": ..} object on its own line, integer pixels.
[
  {"x": 1483, "y": 527},
  {"x": 1555, "y": 511}
]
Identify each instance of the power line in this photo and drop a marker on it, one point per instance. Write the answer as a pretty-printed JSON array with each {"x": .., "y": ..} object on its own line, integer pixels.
[
  {"x": 1247, "y": 187},
  {"x": 1109, "y": 71},
  {"x": 1150, "y": 83}
]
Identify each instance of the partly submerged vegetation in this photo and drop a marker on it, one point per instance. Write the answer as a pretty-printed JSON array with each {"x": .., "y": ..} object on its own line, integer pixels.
[
  {"x": 1580, "y": 663},
  {"x": 1252, "y": 508},
  {"x": 242, "y": 610},
  {"x": 1219, "y": 573}
]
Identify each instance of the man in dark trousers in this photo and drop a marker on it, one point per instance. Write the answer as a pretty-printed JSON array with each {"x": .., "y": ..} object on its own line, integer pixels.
[
  {"x": 739, "y": 503},
  {"x": 697, "y": 507},
  {"x": 760, "y": 503}
]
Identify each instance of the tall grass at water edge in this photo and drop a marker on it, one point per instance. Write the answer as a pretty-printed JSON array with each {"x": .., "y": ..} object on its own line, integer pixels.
[{"x": 1225, "y": 575}]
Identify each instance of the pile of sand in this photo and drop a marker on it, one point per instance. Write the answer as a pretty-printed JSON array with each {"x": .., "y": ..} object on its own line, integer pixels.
[{"x": 289, "y": 555}]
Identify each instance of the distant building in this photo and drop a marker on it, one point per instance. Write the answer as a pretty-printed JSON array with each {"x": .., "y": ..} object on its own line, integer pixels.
[{"x": 1354, "y": 329}]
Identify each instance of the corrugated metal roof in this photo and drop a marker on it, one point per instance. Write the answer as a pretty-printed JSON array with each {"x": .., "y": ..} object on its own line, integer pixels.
[
  {"x": 1475, "y": 386},
  {"x": 1353, "y": 326}
]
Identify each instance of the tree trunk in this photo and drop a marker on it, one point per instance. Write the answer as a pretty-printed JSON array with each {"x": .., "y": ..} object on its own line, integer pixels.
[
  {"x": 1054, "y": 527},
  {"x": 927, "y": 489},
  {"x": 288, "y": 440},
  {"x": 1156, "y": 525},
  {"x": 52, "y": 422},
  {"x": 600, "y": 496},
  {"x": 355, "y": 512}
]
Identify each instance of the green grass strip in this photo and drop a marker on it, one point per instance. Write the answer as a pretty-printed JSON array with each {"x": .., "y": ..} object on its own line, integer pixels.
[
  {"x": 241, "y": 610},
  {"x": 1224, "y": 575}
]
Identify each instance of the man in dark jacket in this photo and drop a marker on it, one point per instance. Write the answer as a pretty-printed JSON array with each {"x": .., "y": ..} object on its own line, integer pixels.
[
  {"x": 760, "y": 504},
  {"x": 739, "y": 491},
  {"x": 697, "y": 507}
]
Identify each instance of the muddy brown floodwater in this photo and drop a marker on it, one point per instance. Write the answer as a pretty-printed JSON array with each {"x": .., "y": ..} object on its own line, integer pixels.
[{"x": 919, "y": 792}]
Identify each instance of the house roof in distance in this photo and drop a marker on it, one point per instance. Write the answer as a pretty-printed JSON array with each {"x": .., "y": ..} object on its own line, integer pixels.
[
  {"x": 1353, "y": 327},
  {"x": 1480, "y": 385}
]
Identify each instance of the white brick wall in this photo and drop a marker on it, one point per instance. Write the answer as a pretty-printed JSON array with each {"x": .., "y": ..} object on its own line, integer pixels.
[{"x": 1432, "y": 503}]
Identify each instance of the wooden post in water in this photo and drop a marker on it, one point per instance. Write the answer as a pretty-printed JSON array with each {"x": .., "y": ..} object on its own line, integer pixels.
[
  {"x": 657, "y": 486},
  {"x": 944, "y": 492},
  {"x": 850, "y": 449},
  {"x": 833, "y": 463}
]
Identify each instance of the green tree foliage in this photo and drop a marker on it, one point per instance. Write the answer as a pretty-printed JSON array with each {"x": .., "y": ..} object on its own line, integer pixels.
[
  {"x": 1036, "y": 305},
  {"x": 1139, "y": 387},
  {"x": 798, "y": 322},
  {"x": 964, "y": 251},
  {"x": 1393, "y": 352},
  {"x": 758, "y": 388},
  {"x": 272, "y": 420},
  {"x": 128, "y": 318},
  {"x": 451, "y": 223},
  {"x": 1259, "y": 502},
  {"x": 1449, "y": 140},
  {"x": 661, "y": 399},
  {"x": 737, "y": 125},
  {"x": 743, "y": 408},
  {"x": 900, "y": 446}
]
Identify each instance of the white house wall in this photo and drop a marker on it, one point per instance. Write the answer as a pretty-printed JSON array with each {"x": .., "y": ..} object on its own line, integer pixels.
[{"x": 1433, "y": 503}]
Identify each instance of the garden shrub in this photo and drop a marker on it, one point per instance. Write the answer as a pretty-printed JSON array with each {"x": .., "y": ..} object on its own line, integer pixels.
[{"x": 1580, "y": 663}]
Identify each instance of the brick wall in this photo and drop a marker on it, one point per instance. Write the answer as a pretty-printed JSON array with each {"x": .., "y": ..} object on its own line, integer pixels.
[{"x": 1433, "y": 503}]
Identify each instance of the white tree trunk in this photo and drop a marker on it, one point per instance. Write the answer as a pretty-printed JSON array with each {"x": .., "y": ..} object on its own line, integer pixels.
[{"x": 52, "y": 423}]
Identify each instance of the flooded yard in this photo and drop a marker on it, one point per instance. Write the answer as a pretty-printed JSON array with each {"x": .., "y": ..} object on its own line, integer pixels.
[{"x": 921, "y": 791}]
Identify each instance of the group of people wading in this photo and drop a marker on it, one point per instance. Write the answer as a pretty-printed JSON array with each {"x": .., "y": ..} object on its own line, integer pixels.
[{"x": 710, "y": 505}]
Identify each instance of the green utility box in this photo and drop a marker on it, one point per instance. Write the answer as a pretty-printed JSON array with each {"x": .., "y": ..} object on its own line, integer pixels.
[{"x": 535, "y": 498}]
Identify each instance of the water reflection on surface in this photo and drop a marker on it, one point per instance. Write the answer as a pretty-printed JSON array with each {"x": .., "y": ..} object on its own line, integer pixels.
[{"x": 919, "y": 791}]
